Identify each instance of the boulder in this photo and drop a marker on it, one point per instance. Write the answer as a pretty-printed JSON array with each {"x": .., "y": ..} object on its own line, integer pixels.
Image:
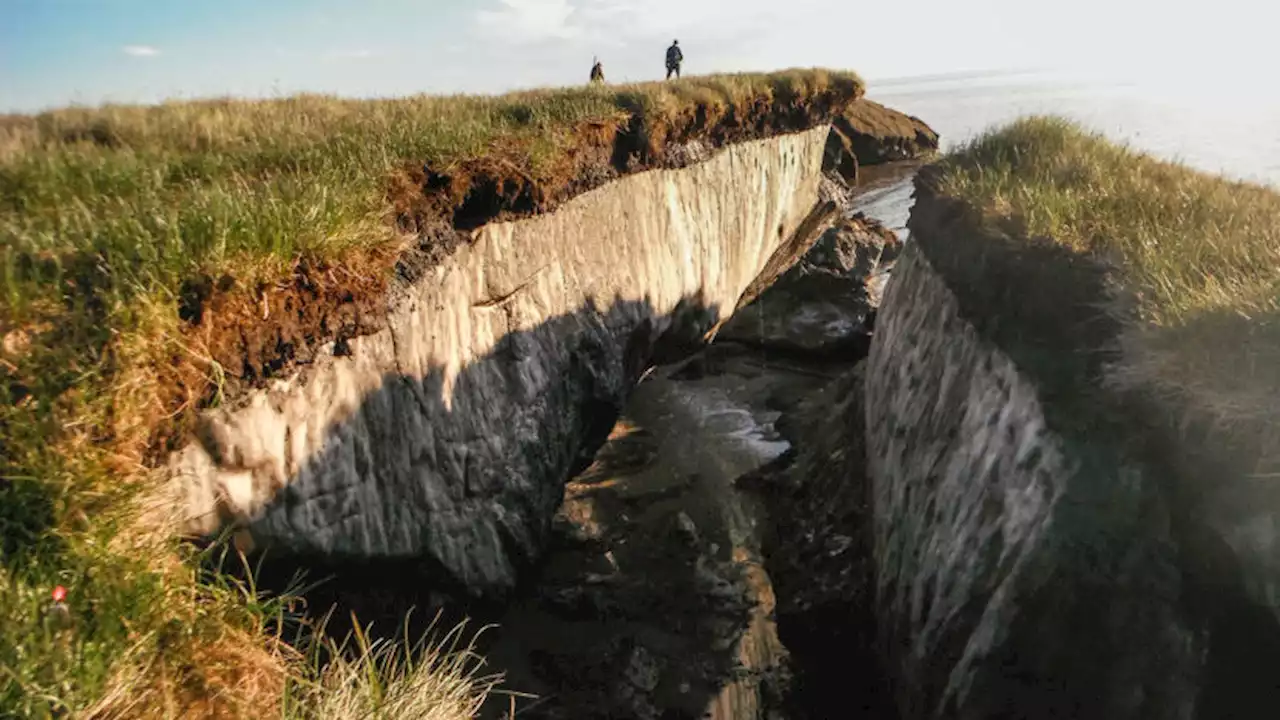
[
  {"x": 821, "y": 304},
  {"x": 877, "y": 134}
]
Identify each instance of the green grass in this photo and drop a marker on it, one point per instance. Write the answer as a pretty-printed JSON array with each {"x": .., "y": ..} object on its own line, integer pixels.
[
  {"x": 156, "y": 194},
  {"x": 1196, "y": 257},
  {"x": 1186, "y": 242},
  {"x": 104, "y": 214}
]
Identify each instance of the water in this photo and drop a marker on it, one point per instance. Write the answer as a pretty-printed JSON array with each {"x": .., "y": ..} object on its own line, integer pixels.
[{"x": 1235, "y": 137}]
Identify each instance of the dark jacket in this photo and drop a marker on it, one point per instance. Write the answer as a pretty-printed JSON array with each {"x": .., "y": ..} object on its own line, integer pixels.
[{"x": 674, "y": 56}]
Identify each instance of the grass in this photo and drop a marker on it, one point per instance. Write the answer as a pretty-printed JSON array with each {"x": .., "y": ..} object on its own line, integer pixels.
[
  {"x": 105, "y": 214},
  {"x": 420, "y": 679},
  {"x": 1195, "y": 256},
  {"x": 156, "y": 194}
]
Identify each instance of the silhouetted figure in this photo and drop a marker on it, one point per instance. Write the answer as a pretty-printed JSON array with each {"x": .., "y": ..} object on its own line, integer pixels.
[
  {"x": 674, "y": 58},
  {"x": 597, "y": 72}
]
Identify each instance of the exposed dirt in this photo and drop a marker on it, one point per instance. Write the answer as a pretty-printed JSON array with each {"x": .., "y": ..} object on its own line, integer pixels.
[
  {"x": 255, "y": 333},
  {"x": 878, "y": 134},
  {"x": 258, "y": 333},
  {"x": 502, "y": 185}
]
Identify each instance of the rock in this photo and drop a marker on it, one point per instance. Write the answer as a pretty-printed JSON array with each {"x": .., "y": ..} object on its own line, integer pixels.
[
  {"x": 839, "y": 158},
  {"x": 877, "y": 134},
  {"x": 688, "y": 530},
  {"x": 820, "y": 304}
]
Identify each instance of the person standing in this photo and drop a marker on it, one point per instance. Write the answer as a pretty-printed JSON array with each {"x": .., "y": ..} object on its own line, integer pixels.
[
  {"x": 597, "y": 73},
  {"x": 674, "y": 58}
]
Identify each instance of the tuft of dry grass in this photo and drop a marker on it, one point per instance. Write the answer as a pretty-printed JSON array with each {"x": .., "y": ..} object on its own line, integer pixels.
[
  {"x": 437, "y": 677},
  {"x": 1195, "y": 258}
]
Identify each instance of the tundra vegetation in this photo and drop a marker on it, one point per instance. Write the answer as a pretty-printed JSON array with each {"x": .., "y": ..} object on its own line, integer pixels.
[
  {"x": 112, "y": 218},
  {"x": 1194, "y": 259}
]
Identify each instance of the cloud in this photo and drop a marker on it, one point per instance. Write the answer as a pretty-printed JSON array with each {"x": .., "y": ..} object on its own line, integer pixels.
[
  {"x": 140, "y": 50},
  {"x": 616, "y": 22},
  {"x": 359, "y": 54},
  {"x": 530, "y": 20}
]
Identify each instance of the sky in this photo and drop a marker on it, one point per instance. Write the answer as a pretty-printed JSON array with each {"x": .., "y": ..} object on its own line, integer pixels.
[{"x": 59, "y": 52}]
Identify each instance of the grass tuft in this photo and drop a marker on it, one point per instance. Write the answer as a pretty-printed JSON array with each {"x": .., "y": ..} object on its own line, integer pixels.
[{"x": 437, "y": 677}]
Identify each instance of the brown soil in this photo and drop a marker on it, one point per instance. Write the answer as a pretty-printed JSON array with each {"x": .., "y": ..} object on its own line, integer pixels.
[
  {"x": 255, "y": 333},
  {"x": 502, "y": 185},
  {"x": 879, "y": 134},
  {"x": 259, "y": 333}
]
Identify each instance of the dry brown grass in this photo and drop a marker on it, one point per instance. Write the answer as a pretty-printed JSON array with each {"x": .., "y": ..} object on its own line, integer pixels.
[{"x": 440, "y": 678}]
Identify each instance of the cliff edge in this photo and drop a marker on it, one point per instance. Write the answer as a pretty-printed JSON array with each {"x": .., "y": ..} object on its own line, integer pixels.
[
  {"x": 437, "y": 302},
  {"x": 1065, "y": 446}
]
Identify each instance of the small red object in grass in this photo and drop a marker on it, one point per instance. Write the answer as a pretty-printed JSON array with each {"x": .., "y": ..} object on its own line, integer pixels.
[{"x": 59, "y": 594}]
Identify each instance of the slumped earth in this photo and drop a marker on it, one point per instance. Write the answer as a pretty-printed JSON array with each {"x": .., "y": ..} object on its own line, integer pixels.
[{"x": 654, "y": 601}]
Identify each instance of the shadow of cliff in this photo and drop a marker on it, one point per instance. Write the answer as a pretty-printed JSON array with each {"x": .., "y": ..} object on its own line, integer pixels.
[
  {"x": 1055, "y": 313},
  {"x": 819, "y": 553},
  {"x": 1214, "y": 425},
  {"x": 447, "y": 487},
  {"x": 415, "y": 462}
]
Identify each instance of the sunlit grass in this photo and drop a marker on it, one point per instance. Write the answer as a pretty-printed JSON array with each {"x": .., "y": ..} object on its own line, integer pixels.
[
  {"x": 1186, "y": 242},
  {"x": 155, "y": 194},
  {"x": 1197, "y": 254},
  {"x": 438, "y": 676}
]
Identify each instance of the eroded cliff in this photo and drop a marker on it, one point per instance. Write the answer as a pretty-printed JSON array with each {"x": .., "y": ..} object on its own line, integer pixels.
[
  {"x": 1023, "y": 568},
  {"x": 1049, "y": 532},
  {"x": 447, "y": 435}
]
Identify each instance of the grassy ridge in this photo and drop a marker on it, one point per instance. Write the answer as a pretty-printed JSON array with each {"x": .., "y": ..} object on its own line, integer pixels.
[
  {"x": 158, "y": 192},
  {"x": 1187, "y": 241},
  {"x": 1199, "y": 255},
  {"x": 104, "y": 215}
]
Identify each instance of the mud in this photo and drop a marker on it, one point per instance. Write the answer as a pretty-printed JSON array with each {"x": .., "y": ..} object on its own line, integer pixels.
[
  {"x": 655, "y": 602},
  {"x": 819, "y": 550},
  {"x": 256, "y": 333}
]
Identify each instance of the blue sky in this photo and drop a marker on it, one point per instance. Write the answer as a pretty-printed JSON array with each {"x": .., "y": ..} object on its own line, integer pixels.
[{"x": 56, "y": 52}]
